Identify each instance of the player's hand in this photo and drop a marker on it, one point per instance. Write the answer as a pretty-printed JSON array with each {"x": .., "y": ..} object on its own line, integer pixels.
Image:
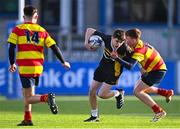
[
  {"x": 12, "y": 68},
  {"x": 114, "y": 54},
  {"x": 142, "y": 71},
  {"x": 89, "y": 47},
  {"x": 66, "y": 65}
]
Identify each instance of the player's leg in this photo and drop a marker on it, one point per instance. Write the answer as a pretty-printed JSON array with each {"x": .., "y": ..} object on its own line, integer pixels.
[
  {"x": 93, "y": 101},
  {"x": 27, "y": 92},
  {"x": 47, "y": 98},
  {"x": 105, "y": 93},
  {"x": 155, "y": 77},
  {"x": 140, "y": 93},
  {"x": 28, "y": 84},
  {"x": 92, "y": 94},
  {"x": 163, "y": 92}
]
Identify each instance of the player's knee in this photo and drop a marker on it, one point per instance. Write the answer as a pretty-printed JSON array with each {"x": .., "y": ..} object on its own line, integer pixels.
[
  {"x": 138, "y": 93},
  {"x": 26, "y": 102},
  {"x": 27, "y": 99},
  {"x": 102, "y": 95}
]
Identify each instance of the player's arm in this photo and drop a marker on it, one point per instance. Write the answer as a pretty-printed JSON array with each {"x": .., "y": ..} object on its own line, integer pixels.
[
  {"x": 59, "y": 55},
  {"x": 12, "y": 48},
  {"x": 89, "y": 32},
  {"x": 128, "y": 62},
  {"x": 12, "y": 54}
]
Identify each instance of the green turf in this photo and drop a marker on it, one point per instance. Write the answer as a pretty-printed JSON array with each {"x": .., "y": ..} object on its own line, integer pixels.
[{"x": 73, "y": 110}]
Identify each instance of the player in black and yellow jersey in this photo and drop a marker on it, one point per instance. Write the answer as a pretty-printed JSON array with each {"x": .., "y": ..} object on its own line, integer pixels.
[{"x": 108, "y": 71}]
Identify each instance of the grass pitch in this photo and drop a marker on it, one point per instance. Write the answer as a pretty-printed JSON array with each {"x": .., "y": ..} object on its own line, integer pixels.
[{"x": 74, "y": 109}]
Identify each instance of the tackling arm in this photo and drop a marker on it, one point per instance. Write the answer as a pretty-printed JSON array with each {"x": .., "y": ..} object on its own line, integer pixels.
[
  {"x": 129, "y": 64},
  {"x": 89, "y": 32}
]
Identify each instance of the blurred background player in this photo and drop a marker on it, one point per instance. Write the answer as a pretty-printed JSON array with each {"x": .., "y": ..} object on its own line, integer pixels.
[
  {"x": 30, "y": 39},
  {"x": 108, "y": 71},
  {"x": 153, "y": 70}
]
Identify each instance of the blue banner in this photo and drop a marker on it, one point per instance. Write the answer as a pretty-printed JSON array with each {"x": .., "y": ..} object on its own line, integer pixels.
[
  {"x": 3, "y": 78},
  {"x": 75, "y": 81}
]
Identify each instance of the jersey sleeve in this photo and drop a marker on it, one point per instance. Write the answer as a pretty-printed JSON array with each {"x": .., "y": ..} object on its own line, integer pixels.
[
  {"x": 13, "y": 37},
  {"x": 102, "y": 35},
  {"x": 138, "y": 56},
  {"x": 125, "y": 50},
  {"x": 105, "y": 38},
  {"x": 49, "y": 41}
]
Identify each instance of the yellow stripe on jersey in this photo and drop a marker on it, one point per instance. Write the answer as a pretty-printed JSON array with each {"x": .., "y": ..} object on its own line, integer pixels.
[
  {"x": 29, "y": 55},
  {"x": 148, "y": 54},
  {"x": 107, "y": 50},
  {"x": 163, "y": 66},
  {"x": 49, "y": 41},
  {"x": 32, "y": 27},
  {"x": 148, "y": 57},
  {"x": 153, "y": 63},
  {"x": 107, "y": 53},
  {"x": 140, "y": 44},
  {"x": 138, "y": 56},
  {"x": 19, "y": 36},
  {"x": 12, "y": 38},
  {"x": 35, "y": 27},
  {"x": 30, "y": 69},
  {"x": 117, "y": 68}
]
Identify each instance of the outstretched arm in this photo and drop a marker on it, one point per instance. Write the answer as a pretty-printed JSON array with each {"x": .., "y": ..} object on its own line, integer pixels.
[
  {"x": 59, "y": 55},
  {"x": 129, "y": 63},
  {"x": 89, "y": 32},
  {"x": 12, "y": 48}
]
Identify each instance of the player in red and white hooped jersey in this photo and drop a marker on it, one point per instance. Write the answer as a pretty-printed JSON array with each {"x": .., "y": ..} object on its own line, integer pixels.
[
  {"x": 153, "y": 71},
  {"x": 30, "y": 39}
]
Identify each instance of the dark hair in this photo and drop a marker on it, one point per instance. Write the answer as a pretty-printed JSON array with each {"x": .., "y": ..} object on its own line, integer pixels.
[
  {"x": 134, "y": 33},
  {"x": 29, "y": 10},
  {"x": 119, "y": 34}
]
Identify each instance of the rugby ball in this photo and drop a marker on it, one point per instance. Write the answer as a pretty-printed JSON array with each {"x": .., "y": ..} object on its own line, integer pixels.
[{"x": 95, "y": 41}]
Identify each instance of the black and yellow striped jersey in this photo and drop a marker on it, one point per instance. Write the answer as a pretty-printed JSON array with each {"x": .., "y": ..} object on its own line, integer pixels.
[{"x": 123, "y": 51}]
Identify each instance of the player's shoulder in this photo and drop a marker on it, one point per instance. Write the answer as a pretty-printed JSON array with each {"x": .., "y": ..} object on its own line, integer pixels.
[
  {"x": 19, "y": 26},
  {"x": 123, "y": 46},
  {"x": 31, "y": 27},
  {"x": 41, "y": 28},
  {"x": 124, "y": 49}
]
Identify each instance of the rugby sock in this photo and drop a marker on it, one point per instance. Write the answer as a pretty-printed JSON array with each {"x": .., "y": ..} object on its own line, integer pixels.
[
  {"x": 163, "y": 92},
  {"x": 116, "y": 93},
  {"x": 156, "y": 108},
  {"x": 94, "y": 112},
  {"x": 44, "y": 98},
  {"x": 27, "y": 115}
]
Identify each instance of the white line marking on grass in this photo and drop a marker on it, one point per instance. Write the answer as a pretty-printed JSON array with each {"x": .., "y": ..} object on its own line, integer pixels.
[
  {"x": 147, "y": 114},
  {"x": 85, "y": 98},
  {"x": 89, "y": 128}
]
